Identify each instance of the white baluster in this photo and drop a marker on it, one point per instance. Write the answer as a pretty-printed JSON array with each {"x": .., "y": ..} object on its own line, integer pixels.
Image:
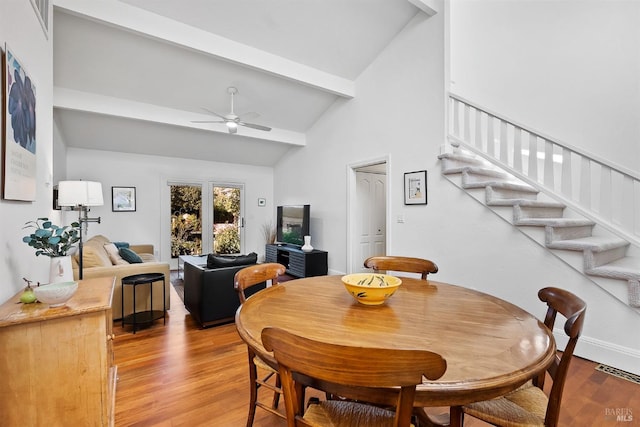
[
  {"x": 565, "y": 177},
  {"x": 491, "y": 143},
  {"x": 478, "y": 130},
  {"x": 533, "y": 157},
  {"x": 517, "y": 149},
  {"x": 456, "y": 117},
  {"x": 504, "y": 145},
  {"x": 549, "y": 179},
  {"x": 606, "y": 196},
  {"x": 585, "y": 182},
  {"x": 467, "y": 124},
  {"x": 635, "y": 207}
]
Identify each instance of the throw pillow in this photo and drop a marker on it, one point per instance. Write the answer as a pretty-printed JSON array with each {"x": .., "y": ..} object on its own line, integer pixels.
[
  {"x": 114, "y": 255},
  {"x": 94, "y": 254},
  {"x": 121, "y": 244},
  {"x": 218, "y": 261},
  {"x": 130, "y": 256}
]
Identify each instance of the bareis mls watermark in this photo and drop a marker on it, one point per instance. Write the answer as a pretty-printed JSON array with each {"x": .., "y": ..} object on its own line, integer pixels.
[{"x": 618, "y": 414}]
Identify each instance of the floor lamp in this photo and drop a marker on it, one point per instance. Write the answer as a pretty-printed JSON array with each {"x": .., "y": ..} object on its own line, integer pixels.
[{"x": 80, "y": 195}]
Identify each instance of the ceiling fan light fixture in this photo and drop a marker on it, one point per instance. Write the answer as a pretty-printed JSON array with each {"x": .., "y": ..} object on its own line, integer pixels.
[{"x": 231, "y": 120}]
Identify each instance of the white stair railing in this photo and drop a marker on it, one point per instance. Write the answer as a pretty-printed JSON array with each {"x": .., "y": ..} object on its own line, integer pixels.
[{"x": 606, "y": 193}]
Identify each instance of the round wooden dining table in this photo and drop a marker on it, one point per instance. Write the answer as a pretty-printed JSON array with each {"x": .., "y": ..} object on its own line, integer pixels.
[{"x": 491, "y": 346}]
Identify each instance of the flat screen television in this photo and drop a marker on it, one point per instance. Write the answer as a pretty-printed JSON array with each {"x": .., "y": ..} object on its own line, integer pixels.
[{"x": 292, "y": 224}]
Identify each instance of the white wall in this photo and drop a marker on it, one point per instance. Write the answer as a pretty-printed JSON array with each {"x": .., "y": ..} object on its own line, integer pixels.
[
  {"x": 150, "y": 223},
  {"x": 567, "y": 69},
  {"x": 397, "y": 110},
  {"x": 21, "y": 30},
  {"x": 398, "y": 113}
]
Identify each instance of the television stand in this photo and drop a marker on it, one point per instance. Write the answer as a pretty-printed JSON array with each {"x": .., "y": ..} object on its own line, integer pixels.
[{"x": 297, "y": 262}]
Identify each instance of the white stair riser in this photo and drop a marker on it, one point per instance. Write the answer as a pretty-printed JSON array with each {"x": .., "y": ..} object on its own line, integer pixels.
[
  {"x": 495, "y": 194},
  {"x": 594, "y": 259},
  {"x": 521, "y": 212},
  {"x": 567, "y": 233},
  {"x": 453, "y": 165}
]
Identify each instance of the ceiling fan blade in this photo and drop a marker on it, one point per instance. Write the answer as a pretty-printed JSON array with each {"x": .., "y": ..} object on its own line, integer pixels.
[
  {"x": 207, "y": 121},
  {"x": 214, "y": 113},
  {"x": 255, "y": 126},
  {"x": 249, "y": 115}
]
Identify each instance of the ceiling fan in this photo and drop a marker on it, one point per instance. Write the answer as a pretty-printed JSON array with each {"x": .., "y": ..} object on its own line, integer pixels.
[{"x": 232, "y": 120}]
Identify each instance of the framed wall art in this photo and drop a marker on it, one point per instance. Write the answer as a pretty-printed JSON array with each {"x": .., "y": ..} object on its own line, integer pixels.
[
  {"x": 19, "y": 131},
  {"x": 415, "y": 188},
  {"x": 123, "y": 199}
]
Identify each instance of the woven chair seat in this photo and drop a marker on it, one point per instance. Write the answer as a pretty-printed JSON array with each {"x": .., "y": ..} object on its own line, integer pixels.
[
  {"x": 524, "y": 407},
  {"x": 263, "y": 365},
  {"x": 336, "y": 413}
]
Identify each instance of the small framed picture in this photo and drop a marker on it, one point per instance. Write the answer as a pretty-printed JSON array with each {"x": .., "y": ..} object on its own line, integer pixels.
[
  {"x": 415, "y": 188},
  {"x": 262, "y": 202},
  {"x": 123, "y": 199}
]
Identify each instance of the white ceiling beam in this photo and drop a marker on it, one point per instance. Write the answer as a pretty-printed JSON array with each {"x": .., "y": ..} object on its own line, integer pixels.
[
  {"x": 122, "y": 15},
  {"x": 427, "y": 6},
  {"x": 69, "y": 99}
]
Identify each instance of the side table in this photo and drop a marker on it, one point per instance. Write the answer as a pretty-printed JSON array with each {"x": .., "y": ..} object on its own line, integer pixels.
[{"x": 144, "y": 316}]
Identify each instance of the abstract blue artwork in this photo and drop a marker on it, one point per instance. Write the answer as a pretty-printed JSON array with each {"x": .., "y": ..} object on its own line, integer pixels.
[{"x": 19, "y": 180}]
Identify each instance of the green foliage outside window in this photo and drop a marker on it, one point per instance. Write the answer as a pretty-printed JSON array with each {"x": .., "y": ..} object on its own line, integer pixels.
[
  {"x": 227, "y": 241},
  {"x": 186, "y": 222},
  {"x": 226, "y": 213}
]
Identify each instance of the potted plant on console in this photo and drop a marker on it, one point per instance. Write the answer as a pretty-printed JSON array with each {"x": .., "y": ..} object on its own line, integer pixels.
[{"x": 55, "y": 242}]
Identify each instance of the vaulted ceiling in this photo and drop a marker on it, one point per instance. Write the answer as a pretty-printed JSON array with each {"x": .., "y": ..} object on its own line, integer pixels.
[{"x": 133, "y": 75}]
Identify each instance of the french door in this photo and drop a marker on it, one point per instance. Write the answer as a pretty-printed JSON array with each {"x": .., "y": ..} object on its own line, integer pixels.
[
  {"x": 228, "y": 221},
  {"x": 206, "y": 217}
]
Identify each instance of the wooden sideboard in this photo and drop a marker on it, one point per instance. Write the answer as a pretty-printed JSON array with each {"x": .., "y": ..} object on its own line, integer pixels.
[{"x": 56, "y": 364}]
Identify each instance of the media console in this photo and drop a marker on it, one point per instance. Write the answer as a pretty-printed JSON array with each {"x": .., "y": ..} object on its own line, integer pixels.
[{"x": 297, "y": 262}]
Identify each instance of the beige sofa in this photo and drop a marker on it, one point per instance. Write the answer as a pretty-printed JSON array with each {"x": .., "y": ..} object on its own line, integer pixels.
[{"x": 99, "y": 262}]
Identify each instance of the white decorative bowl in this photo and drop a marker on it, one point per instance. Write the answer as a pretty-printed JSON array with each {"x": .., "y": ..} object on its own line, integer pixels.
[{"x": 55, "y": 294}]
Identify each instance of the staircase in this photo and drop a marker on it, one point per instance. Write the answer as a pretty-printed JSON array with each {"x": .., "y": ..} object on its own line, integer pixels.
[
  {"x": 607, "y": 259},
  {"x": 582, "y": 208}
]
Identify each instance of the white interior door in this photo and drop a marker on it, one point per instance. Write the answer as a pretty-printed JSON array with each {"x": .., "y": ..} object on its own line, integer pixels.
[{"x": 370, "y": 226}]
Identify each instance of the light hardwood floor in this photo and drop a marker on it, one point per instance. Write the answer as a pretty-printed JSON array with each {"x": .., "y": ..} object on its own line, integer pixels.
[{"x": 180, "y": 375}]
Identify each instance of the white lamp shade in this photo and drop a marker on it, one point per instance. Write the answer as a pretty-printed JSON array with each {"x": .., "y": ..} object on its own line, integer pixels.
[
  {"x": 80, "y": 193},
  {"x": 94, "y": 194}
]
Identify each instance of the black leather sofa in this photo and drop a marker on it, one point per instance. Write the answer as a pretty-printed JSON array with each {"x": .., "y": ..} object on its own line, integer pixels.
[{"x": 209, "y": 294}]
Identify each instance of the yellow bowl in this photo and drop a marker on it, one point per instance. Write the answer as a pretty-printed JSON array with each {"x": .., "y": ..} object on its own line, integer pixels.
[{"x": 371, "y": 288}]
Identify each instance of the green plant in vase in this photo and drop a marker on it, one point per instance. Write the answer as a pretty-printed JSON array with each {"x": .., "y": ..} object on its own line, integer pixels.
[
  {"x": 51, "y": 240},
  {"x": 56, "y": 243}
]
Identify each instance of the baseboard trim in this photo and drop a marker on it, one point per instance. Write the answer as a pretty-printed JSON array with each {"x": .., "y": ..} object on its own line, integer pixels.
[{"x": 613, "y": 355}]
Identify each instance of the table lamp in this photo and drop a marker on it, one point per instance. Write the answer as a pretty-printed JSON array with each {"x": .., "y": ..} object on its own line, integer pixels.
[{"x": 80, "y": 195}]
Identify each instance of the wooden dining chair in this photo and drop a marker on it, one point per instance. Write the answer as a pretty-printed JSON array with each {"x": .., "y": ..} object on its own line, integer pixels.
[
  {"x": 401, "y": 263},
  {"x": 245, "y": 283},
  {"x": 529, "y": 405},
  {"x": 305, "y": 362}
]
